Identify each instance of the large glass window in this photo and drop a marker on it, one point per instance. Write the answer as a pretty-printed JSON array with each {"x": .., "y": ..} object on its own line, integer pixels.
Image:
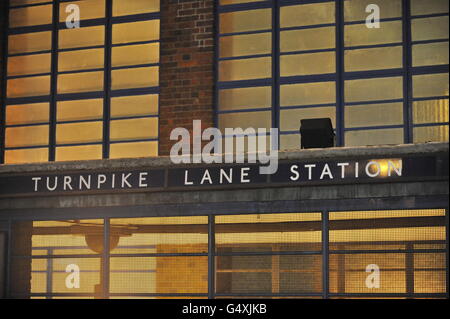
[
  {"x": 81, "y": 93},
  {"x": 284, "y": 61},
  {"x": 345, "y": 254}
]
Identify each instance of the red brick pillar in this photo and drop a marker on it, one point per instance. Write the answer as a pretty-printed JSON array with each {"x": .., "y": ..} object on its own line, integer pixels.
[{"x": 187, "y": 66}]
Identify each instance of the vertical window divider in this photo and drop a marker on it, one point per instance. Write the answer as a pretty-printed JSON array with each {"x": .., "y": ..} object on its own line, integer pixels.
[
  {"x": 340, "y": 69},
  {"x": 3, "y": 92},
  {"x": 211, "y": 257},
  {"x": 276, "y": 67},
  {"x": 407, "y": 74},
  {"x": 106, "y": 258},
  {"x": 447, "y": 263},
  {"x": 325, "y": 254},
  {"x": 53, "y": 84},
  {"x": 107, "y": 80}
]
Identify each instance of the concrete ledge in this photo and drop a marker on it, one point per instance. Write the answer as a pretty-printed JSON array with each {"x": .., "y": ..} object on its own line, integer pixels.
[{"x": 164, "y": 161}]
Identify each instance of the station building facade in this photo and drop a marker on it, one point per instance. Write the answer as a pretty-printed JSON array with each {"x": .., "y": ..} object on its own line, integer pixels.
[{"x": 92, "y": 206}]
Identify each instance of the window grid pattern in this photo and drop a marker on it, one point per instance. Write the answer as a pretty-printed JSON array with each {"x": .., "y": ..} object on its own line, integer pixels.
[
  {"x": 322, "y": 61},
  {"x": 83, "y": 93}
]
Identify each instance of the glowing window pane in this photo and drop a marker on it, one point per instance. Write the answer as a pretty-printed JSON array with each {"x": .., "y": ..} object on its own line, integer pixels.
[
  {"x": 308, "y": 94},
  {"x": 253, "y": 120},
  {"x": 249, "y": 44},
  {"x": 135, "y": 54},
  {"x": 35, "y": 155},
  {"x": 81, "y": 37},
  {"x": 79, "y": 153},
  {"x": 307, "y": 14},
  {"x": 374, "y": 137},
  {"x": 73, "y": 133},
  {"x": 241, "y": 21},
  {"x": 243, "y": 98},
  {"x": 431, "y": 134},
  {"x": 135, "y": 31},
  {"x": 373, "y": 89},
  {"x": 245, "y": 69},
  {"x": 81, "y": 60},
  {"x": 308, "y": 64},
  {"x": 30, "y": 86},
  {"x": 359, "y": 34},
  {"x": 420, "y": 7},
  {"x": 430, "y": 111},
  {"x": 89, "y": 9},
  {"x": 135, "y": 78},
  {"x": 137, "y": 105},
  {"x": 29, "y": 42},
  {"x": 30, "y": 16},
  {"x": 430, "y": 54},
  {"x": 78, "y": 110},
  {"x": 128, "y": 7},
  {"x": 131, "y": 129},
  {"x": 26, "y": 136},
  {"x": 429, "y": 28},
  {"x": 29, "y": 64},
  {"x": 290, "y": 119},
  {"x": 374, "y": 114},
  {"x": 307, "y": 39},
  {"x": 133, "y": 150},
  {"x": 27, "y": 113},
  {"x": 80, "y": 82},
  {"x": 430, "y": 85},
  {"x": 373, "y": 59},
  {"x": 355, "y": 10}
]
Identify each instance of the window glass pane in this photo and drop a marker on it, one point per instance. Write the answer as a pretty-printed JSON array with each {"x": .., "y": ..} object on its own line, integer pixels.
[
  {"x": 431, "y": 134},
  {"x": 245, "y": 120},
  {"x": 137, "y": 105},
  {"x": 430, "y": 54},
  {"x": 26, "y": 136},
  {"x": 224, "y": 2},
  {"x": 25, "y": 2},
  {"x": 135, "y": 78},
  {"x": 78, "y": 110},
  {"x": 79, "y": 153},
  {"x": 27, "y": 113},
  {"x": 135, "y": 31},
  {"x": 359, "y": 34},
  {"x": 89, "y": 9},
  {"x": 31, "y": 86},
  {"x": 307, "y": 14},
  {"x": 290, "y": 119},
  {"x": 355, "y": 10},
  {"x": 430, "y": 85},
  {"x": 79, "y": 133},
  {"x": 128, "y": 7},
  {"x": 374, "y": 114},
  {"x": 80, "y": 82},
  {"x": 373, "y": 59},
  {"x": 81, "y": 60},
  {"x": 290, "y": 142},
  {"x": 248, "y": 44},
  {"x": 429, "y": 28},
  {"x": 134, "y": 129},
  {"x": 29, "y": 42},
  {"x": 374, "y": 137},
  {"x": 81, "y": 37},
  {"x": 29, "y": 64},
  {"x": 307, "y": 39},
  {"x": 373, "y": 89},
  {"x": 420, "y": 7},
  {"x": 308, "y": 93},
  {"x": 30, "y": 16},
  {"x": 308, "y": 64},
  {"x": 133, "y": 150},
  {"x": 135, "y": 54},
  {"x": 242, "y": 21},
  {"x": 245, "y": 98},
  {"x": 34, "y": 155},
  {"x": 430, "y": 111},
  {"x": 245, "y": 69}
]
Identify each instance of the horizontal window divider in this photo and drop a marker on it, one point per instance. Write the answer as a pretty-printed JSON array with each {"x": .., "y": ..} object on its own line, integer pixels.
[
  {"x": 328, "y": 77},
  {"x": 58, "y": 256},
  {"x": 358, "y": 103},
  {"x": 11, "y": 55},
  {"x": 431, "y": 124},
  {"x": 81, "y": 71},
  {"x": 228, "y": 34},
  {"x": 29, "y": 147},
  {"x": 431, "y": 15},
  {"x": 79, "y": 96},
  {"x": 30, "y": 29},
  {"x": 27, "y": 100},
  {"x": 134, "y": 141},
  {"x": 303, "y": 27},
  {"x": 136, "y": 91},
  {"x": 70, "y": 0},
  {"x": 428, "y": 98},
  {"x": 245, "y": 57},
  {"x": 294, "y": 107},
  {"x": 381, "y": 20},
  {"x": 359, "y": 75},
  {"x": 430, "y": 41},
  {"x": 387, "y": 251},
  {"x": 120, "y": 294},
  {"x": 119, "y": 118},
  {"x": 84, "y": 23},
  {"x": 80, "y": 121},
  {"x": 244, "y": 83},
  {"x": 307, "y": 51},
  {"x": 269, "y": 253},
  {"x": 263, "y": 4},
  {"x": 78, "y": 144},
  {"x": 81, "y": 48},
  {"x": 313, "y": 294},
  {"x": 27, "y": 124},
  {"x": 31, "y": 5},
  {"x": 244, "y": 110},
  {"x": 50, "y": 295},
  {"x": 421, "y": 70},
  {"x": 12, "y": 77},
  {"x": 373, "y": 46},
  {"x": 147, "y": 65},
  {"x": 286, "y": 3},
  {"x": 136, "y": 17},
  {"x": 134, "y": 43},
  {"x": 125, "y": 255},
  {"x": 377, "y": 127}
]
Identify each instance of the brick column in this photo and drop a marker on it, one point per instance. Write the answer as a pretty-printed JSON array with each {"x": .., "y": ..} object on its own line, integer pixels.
[{"x": 187, "y": 66}]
